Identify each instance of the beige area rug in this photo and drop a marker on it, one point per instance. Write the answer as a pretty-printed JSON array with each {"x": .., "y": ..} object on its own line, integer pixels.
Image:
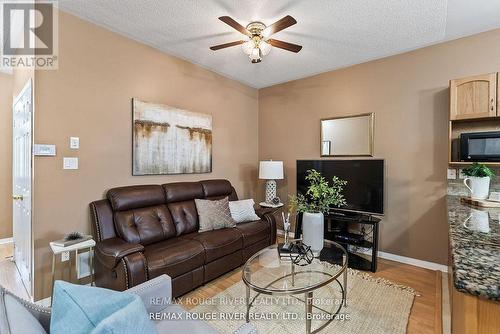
[{"x": 374, "y": 306}]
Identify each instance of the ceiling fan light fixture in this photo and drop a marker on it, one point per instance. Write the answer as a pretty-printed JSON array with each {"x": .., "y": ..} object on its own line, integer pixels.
[
  {"x": 247, "y": 47},
  {"x": 264, "y": 47},
  {"x": 255, "y": 54},
  {"x": 256, "y": 45}
]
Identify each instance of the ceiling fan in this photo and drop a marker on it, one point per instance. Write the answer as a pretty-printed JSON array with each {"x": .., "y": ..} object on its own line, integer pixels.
[{"x": 258, "y": 44}]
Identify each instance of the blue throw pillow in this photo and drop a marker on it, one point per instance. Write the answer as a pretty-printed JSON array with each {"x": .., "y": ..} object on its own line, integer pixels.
[{"x": 79, "y": 309}]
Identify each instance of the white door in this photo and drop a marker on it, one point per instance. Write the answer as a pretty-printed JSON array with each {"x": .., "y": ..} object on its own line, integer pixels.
[{"x": 21, "y": 177}]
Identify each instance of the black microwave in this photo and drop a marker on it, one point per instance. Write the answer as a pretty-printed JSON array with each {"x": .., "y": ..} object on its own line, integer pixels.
[{"x": 480, "y": 146}]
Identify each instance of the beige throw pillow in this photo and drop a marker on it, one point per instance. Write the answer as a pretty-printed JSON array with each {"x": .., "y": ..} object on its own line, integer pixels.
[{"x": 213, "y": 215}]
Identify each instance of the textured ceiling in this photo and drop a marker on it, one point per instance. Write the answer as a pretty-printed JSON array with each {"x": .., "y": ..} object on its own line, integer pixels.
[{"x": 333, "y": 33}]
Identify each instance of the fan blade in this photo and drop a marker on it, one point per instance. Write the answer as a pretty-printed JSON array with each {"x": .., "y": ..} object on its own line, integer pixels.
[
  {"x": 226, "y": 45},
  {"x": 285, "y": 45},
  {"x": 232, "y": 23},
  {"x": 279, "y": 25}
]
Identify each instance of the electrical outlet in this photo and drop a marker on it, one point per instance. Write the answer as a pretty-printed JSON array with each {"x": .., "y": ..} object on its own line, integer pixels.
[
  {"x": 461, "y": 174},
  {"x": 70, "y": 163},
  {"x": 64, "y": 256},
  {"x": 452, "y": 173}
]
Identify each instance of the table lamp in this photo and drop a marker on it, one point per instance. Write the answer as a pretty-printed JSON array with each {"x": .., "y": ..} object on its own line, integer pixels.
[{"x": 271, "y": 171}]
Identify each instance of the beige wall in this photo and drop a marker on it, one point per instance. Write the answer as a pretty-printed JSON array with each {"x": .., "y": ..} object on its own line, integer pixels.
[
  {"x": 409, "y": 95},
  {"x": 100, "y": 71},
  {"x": 6, "y": 155},
  {"x": 90, "y": 97}
]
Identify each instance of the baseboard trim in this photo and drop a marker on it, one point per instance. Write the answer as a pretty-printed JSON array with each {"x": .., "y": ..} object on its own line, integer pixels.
[
  {"x": 413, "y": 262},
  {"x": 398, "y": 258},
  {"x": 6, "y": 241}
]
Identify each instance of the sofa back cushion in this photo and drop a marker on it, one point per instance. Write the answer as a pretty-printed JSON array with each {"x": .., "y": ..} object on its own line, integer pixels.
[
  {"x": 140, "y": 214},
  {"x": 218, "y": 189},
  {"x": 145, "y": 225},
  {"x": 133, "y": 197},
  {"x": 150, "y": 213},
  {"x": 182, "y": 191},
  {"x": 180, "y": 201}
]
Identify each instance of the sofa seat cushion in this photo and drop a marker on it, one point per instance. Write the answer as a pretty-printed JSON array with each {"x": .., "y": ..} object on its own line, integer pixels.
[
  {"x": 218, "y": 243},
  {"x": 174, "y": 257},
  {"x": 254, "y": 232}
]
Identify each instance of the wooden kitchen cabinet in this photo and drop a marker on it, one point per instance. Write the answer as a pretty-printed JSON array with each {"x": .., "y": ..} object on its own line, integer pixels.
[
  {"x": 473, "y": 315},
  {"x": 474, "y": 97}
]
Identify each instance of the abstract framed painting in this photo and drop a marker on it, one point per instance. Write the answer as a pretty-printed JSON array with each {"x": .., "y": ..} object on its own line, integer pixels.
[{"x": 168, "y": 140}]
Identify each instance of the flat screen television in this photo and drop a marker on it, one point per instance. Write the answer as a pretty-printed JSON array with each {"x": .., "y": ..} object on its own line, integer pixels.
[{"x": 364, "y": 191}]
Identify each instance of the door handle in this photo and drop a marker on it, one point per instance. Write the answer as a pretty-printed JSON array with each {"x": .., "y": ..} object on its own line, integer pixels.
[{"x": 18, "y": 197}]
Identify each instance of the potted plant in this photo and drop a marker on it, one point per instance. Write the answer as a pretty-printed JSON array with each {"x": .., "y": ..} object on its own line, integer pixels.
[
  {"x": 479, "y": 177},
  {"x": 318, "y": 199}
]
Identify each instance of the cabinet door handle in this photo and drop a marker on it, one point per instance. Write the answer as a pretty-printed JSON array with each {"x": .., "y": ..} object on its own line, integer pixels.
[{"x": 492, "y": 104}]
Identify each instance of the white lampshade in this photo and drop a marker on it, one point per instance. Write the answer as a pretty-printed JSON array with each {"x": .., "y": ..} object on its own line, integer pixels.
[{"x": 271, "y": 170}]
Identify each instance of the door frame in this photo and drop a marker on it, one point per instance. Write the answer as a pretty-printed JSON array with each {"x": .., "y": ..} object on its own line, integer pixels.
[{"x": 29, "y": 84}]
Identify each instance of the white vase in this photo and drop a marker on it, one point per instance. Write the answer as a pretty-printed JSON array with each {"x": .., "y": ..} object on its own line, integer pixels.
[
  {"x": 313, "y": 231},
  {"x": 479, "y": 186}
]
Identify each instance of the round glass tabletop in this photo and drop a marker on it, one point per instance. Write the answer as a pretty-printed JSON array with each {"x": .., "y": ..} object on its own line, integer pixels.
[{"x": 269, "y": 273}]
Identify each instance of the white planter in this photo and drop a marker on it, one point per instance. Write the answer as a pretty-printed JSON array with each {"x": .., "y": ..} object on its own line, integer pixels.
[
  {"x": 479, "y": 186},
  {"x": 313, "y": 231}
]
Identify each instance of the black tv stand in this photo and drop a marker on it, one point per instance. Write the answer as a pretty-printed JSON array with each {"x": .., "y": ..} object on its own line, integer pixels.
[{"x": 337, "y": 225}]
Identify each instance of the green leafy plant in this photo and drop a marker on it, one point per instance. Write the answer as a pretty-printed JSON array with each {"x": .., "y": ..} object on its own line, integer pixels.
[
  {"x": 320, "y": 196},
  {"x": 478, "y": 170}
]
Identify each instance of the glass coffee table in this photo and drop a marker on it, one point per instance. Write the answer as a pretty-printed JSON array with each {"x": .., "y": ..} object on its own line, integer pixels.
[{"x": 266, "y": 273}]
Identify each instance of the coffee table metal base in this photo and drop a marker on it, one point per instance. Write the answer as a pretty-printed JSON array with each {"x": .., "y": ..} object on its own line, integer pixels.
[{"x": 308, "y": 300}]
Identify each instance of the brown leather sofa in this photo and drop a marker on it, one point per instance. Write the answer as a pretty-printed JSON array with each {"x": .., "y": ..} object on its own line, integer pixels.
[{"x": 145, "y": 231}]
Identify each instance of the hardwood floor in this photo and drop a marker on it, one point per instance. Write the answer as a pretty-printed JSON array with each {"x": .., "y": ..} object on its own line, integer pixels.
[
  {"x": 9, "y": 276},
  {"x": 425, "y": 316}
]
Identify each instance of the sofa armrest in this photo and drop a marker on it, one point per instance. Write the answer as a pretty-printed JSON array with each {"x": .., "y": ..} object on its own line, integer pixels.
[
  {"x": 261, "y": 212},
  {"x": 111, "y": 251},
  {"x": 267, "y": 214},
  {"x": 13, "y": 311},
  {"x": 156, "y": 294}
]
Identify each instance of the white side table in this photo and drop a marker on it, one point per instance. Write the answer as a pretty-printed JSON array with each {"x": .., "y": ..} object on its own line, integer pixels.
[{"x": 75, "y": 247}]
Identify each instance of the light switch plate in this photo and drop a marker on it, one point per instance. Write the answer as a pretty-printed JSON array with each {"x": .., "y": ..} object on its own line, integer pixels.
[
  {"x": 452, "y": 174},
  {"x": 74, "y": 143},
  {"x": 70, "y": 163},
  {"x": 43, "y": 150}
]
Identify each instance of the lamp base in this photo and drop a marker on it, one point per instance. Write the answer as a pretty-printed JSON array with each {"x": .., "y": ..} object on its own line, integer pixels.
[{"x": 270, "y": 190}]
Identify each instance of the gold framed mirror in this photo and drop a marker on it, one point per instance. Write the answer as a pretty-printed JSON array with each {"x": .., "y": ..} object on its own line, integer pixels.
[{"x": 347, "y": 136}]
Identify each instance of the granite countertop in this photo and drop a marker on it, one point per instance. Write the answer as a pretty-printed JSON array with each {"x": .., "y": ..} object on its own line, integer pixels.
[{"x": 475, "y": 248}]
